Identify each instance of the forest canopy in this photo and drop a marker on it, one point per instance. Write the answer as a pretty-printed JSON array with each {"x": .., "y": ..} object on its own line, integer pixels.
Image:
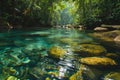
[{"x": 89, "y": 13}]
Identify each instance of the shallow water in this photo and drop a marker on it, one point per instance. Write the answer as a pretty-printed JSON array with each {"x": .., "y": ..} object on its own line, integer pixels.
[{"x": 25, "y": 55}]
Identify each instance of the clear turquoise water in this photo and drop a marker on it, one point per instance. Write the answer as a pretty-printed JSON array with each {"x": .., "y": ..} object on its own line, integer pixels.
[{"x": 26, "y": 52}]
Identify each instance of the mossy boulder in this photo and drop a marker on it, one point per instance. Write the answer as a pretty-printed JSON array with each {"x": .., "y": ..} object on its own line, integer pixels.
[
  {"x": 112, "y": 76},
  {"x": 90, "y": 50},
  {"x": 98, "y": 61},
  {"x": 57, "y": 51}
]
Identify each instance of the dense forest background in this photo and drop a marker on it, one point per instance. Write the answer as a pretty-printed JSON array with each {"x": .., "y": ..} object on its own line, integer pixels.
[{"x": 29, "y": 13}]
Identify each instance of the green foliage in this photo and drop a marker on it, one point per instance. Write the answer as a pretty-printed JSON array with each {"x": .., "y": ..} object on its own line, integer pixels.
[
  {"x": 91, "y": 22},
  {"x": 95, "y": 12},
  {"x": 110, "y": 11},
  {"x": 37, "y": 11},
  {"x": 26, "y": 12},
  {"x": 89, "y": 13}
]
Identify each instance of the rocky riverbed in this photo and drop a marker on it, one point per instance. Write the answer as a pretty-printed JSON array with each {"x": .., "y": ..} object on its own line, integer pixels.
[{"x": 58, "y": 54}]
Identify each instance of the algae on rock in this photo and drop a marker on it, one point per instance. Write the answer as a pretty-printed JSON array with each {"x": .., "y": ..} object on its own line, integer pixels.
[
  {"x": 57, "y": 51},
  {"x": 90, "y": 50},
  {"x": 98, "y": 61}
]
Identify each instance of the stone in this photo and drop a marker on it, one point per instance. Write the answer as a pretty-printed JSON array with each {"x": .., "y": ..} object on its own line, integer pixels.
[
  {"x": 40, "y": 33},
  {"x": 98, "y": 61},
  {"x": 80, "y": 27},
  {"x": 14, "y": 60},
  {"x": 85, "y": 73},
  {"x": 90, "y": 50},
  {"x": 113, "y": 55},
  {"x": 54, "y": 74},
  {"x": 76, "y": 41},
  {"x": 117, "y": 41},
  {"x": 47, "y": 78},
  {"x": 37, "y": 72},
  {"x": 116, "y": 27},
  {"x": 78, "y": 74},
  {"x": 12, "y": 78},
  {"x": 117, "y": 38},
  {"x": 106, "y": 36},
  {"x": 112, "y": 76},
  {"x": 100, "y": 29},
  {"x": 70, "y": 41},
  {"x": 57, "y": 51},
  {"x": 66, "y": 40}
]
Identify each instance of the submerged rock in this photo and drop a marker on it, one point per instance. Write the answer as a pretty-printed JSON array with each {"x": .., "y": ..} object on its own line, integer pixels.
[
  {"x": 112, "y": 76},
  {"x": 86, "y": 73},
  {"x": 54, "y": 74},
  {"x": 37, "y": 72},
  {"x": 77, "y": 41},
  {"x": 78, "y": 74},
  {"x": 12, "y": 71},
  {"x": 98, "y": 61},
  {"x": 12, "y": 78},
  {"x": 16, "y": 61},
  {"x": 67, "y": 40},
  {"x": 90, "y": 50},
  {"x": 113, "y": 55},
  {"x": 57, "y": 52},
  {"x": 40, "y": 33},
  {"x": 47, "y": 78}
]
